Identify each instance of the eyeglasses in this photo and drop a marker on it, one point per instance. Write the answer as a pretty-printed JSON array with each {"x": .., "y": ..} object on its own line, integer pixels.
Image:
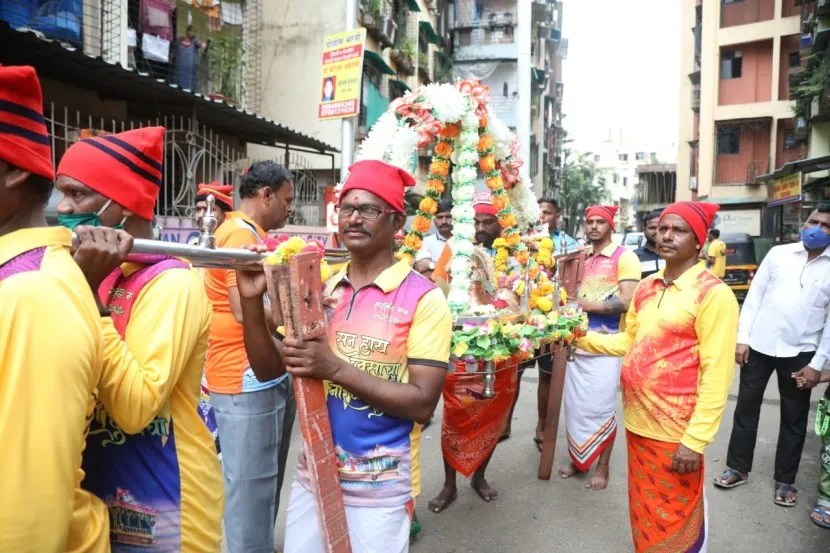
[{"x": 368, "y": 212}]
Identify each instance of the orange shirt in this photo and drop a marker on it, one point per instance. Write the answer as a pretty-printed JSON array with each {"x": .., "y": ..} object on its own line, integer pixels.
[
  {"x": 442, "y": 266},
  {"x": 226, "y": 362}
]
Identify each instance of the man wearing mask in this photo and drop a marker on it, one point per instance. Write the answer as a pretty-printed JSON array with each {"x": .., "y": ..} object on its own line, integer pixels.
[
  {"x": 377, "y": 396},
  {"x": 52, "y": 349},
  {"x": 244, "y": 406},
  {"x": 472, "y": 425},
  {"x": 434, "y": 243},
  {"x": 649, "y": 258},
  {"x": 784, "y": 329},
  {"x": 147, "y": 448}
]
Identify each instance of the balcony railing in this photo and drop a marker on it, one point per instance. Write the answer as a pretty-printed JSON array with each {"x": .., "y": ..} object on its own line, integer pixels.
[
  {"x": 147, "y": 37},
  {"x": 466, "y": 19}
]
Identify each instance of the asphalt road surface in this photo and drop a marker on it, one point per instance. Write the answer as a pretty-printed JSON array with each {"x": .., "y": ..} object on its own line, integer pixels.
[{"x": 561, "y": 516}]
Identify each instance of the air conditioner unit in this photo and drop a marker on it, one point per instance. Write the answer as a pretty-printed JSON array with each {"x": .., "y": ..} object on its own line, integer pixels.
[{"x": 693, "y": 184}]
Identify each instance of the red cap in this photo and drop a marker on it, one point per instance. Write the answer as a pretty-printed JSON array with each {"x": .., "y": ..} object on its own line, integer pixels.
[
  {"x": 699, "y": 215},
  {"x": 222, "y": 193},
  {"x": 607, "y": 212},
  {"x": 24, "y": 141},
  {"x": 124, "y": 167},
  {"x": 483, "y": 204},
  {"x": 385, "y": 181}
]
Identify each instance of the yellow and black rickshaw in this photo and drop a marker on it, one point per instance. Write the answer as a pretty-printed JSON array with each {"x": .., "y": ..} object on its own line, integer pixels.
[{"x": 741, "y": 262}]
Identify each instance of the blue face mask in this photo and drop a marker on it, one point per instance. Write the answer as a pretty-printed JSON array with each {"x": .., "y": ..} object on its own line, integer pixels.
[
  {"x": 814, "y": 238},
  {"x": 72, "y": 220}
]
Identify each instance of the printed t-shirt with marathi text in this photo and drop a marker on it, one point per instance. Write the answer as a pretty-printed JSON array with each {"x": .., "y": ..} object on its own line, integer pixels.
[
  {"x": 401, "y": 319},
  {"x": 601, "y": 281},
  {"x": 679, "y": 349},
  {"x": 226, "y": 368}
]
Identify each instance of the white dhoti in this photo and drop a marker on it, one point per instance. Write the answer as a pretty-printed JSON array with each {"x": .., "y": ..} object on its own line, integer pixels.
[
  {"x": 371, "y": 529},
  {"x": 590, "y": 406}
]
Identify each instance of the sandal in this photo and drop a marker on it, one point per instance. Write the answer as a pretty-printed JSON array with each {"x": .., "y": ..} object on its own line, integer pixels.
[
  {"x": 785, "y": 495},
  {"x": 731, "y": 478},
  {"x": 823, "y": 518}
]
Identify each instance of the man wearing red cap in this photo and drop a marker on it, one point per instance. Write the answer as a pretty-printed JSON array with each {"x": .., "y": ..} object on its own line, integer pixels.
[
  {"x": 678, "y": 348},
  {"x": 384, "y": 360},
  {"x": 51, "y": 352},
  {"x": 254, "y": 417},
  {"x": 472, "y": 426},
  {"x": 222, "y": 193},
  {"x": 590, "y": 397},
  {"x": 148, "y": 451}
]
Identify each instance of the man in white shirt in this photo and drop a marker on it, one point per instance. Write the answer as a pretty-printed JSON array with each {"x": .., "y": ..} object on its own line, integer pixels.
[
  {"x": 783, "y": 329},
  {"x": 434, "y": 243}
]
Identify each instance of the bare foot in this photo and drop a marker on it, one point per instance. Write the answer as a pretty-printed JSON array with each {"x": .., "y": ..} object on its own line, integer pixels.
[
  {"x": 567, "y": 472},
  {"x": 599, "y": 481},
  {"x": 484, "y": 490},
  {"x": 443, "y": 500}
]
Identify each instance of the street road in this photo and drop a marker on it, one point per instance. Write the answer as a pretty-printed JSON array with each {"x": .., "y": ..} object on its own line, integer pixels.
[{"x": 561, "y": 516}]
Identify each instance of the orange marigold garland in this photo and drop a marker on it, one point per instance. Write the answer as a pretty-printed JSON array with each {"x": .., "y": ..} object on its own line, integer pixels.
[
  {"x": 439, "y": 171},
  {"x": 510, "y": 241}
]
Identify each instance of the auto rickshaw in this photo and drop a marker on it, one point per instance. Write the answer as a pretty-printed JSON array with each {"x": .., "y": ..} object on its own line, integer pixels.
[{"x": 741, "y": 262}]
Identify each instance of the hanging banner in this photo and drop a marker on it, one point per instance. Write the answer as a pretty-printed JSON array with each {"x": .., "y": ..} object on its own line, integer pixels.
[
  {"x": 341, "y": 80},
  {"x": 785, "y": 190}
]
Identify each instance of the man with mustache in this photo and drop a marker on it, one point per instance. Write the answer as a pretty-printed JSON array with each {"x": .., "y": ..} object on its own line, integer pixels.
[
  {"x": 649, "y": 258},
  {"x": 471, "y": 425},
  {"x": 611, "y": 274},
  {"x": 434, "y": 244},
  {"x": 678, "y": 348},
  {"x": 383, "y": 360}
]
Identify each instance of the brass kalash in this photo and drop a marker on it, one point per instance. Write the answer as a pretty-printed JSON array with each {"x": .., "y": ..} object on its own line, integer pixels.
[{"x": 205, "y": 254}]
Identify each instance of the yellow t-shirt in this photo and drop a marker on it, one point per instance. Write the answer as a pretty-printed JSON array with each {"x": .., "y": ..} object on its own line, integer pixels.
[
  {"x": 679, "y": 357},
  {"x": 50, "y": 362},
  {"x": 150, "y": 389},
  {"x": 717, "y": 251},
  {"x": 227, "y": 361}
]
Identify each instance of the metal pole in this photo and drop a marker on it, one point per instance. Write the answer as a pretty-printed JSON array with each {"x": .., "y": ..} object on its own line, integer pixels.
[{"x": 347, "y": 123}]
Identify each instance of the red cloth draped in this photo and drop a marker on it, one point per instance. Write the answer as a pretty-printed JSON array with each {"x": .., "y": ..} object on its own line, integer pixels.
[
  {"x": 666, "y": 508},
  {"x": 472, "y": 425}
]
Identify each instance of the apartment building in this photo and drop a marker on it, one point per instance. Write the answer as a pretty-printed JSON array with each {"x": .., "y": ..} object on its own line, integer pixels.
[
  {"x": 515, "y": 47},
  {"x": 739, "y": 119}
]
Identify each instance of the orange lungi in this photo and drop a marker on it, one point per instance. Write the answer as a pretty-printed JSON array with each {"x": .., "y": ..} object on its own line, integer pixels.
[
  {"x": 667, "y": 509},
  {"x": 472, "y": 425}
]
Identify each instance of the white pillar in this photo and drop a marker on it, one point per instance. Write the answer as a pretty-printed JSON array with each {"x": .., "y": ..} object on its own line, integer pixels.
[
  {"x": 523, "y": 34},
  {"x": 347, "y": 123}
]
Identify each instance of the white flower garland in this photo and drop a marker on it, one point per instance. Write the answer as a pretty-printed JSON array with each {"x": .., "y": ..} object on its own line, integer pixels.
[
  {"x": 464, "y": 176},
  {"x": 524, "y": 204},
  {"x": 447, "y": 103}
]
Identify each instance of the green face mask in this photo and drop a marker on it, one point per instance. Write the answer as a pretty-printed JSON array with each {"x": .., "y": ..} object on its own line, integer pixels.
[{"x": 72, "y": 220}]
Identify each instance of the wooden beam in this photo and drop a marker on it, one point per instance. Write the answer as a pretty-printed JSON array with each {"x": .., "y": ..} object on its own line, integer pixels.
[
  {"x": 296, "y": 294},
  {"x": 570, "y": 275}
]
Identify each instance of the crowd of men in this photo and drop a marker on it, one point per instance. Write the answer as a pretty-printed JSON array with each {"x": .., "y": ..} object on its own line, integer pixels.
[{"x": 111, "y": 446}]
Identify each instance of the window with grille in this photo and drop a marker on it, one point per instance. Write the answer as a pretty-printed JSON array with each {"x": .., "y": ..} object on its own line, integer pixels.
[{"x": 729, "y": 139}]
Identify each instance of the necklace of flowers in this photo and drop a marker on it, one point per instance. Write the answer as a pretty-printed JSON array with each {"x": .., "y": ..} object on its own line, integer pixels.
[
  {"x": 510, "y": 241},
  {"x": 439, "y": 171},
  {"x": 461, "y": 244}
]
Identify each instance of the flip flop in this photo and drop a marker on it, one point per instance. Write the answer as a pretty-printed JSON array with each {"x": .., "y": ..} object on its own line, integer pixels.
[
  {"x": 781, "y": 493},
  {"x": 728, "y": 475},
  {"x": 824, "y": 517}
]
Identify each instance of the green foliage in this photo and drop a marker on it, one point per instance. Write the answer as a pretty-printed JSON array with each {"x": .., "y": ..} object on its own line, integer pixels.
[
  {"x": 407, "y": 47},
  {"x": 582, "y": 186},
  {"x": 423, "y": 61},
  {"x": 373, "y": 7},
  {"x": 226, "y": 65},
  {"x": 817, "y": 79}
]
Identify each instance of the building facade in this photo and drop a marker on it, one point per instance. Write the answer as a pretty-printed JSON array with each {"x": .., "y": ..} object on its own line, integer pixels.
[
  {"x": 740, "y": 122},
  {"x": 112, "y": 65}
]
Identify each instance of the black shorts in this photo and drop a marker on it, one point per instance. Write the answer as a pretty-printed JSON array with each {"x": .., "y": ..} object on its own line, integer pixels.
[{"x": 544, "y": 359}]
